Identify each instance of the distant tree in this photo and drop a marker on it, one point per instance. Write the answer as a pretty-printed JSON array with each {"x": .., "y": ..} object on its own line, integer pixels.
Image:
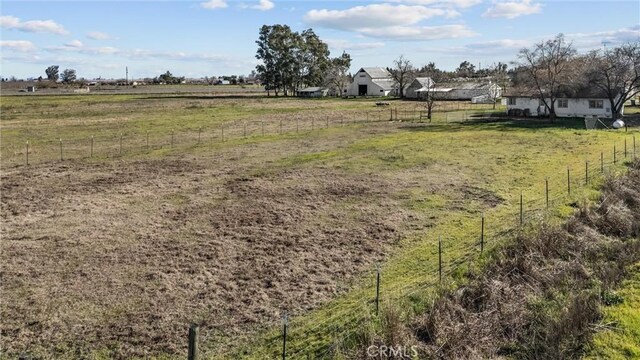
[
  {"x": 337, "y": 76},
  {"x": 466, "y": 69},
  {"x": 52, "y": 72},
  {"x": 169, "y": 79},
  {"x": 547, "y": 69},
  {"x": 313, "y": 60},
  {"x": 617, "y": 73},
  {"x": 68, "y": 76},
  {"x": 290, "y": 60},
  {"x": 402, "y": 74}
]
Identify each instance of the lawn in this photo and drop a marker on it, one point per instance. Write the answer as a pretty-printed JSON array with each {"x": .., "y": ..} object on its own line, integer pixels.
[{"x": 116, "y": 254}]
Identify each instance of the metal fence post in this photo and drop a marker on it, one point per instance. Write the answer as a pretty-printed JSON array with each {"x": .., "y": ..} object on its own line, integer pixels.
[
  {"x": 285, "y": 323},
  {"x": 440, "y": 257},
  {"x": 377, "y": 289},
  {"x": 193, "y": 342}
]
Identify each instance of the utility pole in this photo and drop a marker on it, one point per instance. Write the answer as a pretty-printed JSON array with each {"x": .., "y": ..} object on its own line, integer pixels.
[{"x": 126, "y": 76}]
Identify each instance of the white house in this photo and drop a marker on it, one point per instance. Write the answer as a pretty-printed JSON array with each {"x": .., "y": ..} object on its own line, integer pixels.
[
  {"x": 418, "y": 88},
  {"x": 371, "y": 81},
  {"x": 588, "y": 102},
  {"x": 313, "y": 92}
]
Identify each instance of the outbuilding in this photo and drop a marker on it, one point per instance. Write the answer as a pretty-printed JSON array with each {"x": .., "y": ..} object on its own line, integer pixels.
[{"x": 313, "y": 92}]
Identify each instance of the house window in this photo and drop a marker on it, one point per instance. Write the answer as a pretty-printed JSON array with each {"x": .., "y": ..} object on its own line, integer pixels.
[
  {"x": 511, "y": 101},
  {"x": 363, "y": 75},
  {"x": 563, "y": 103},
  {"x": 596, "y": 104}
]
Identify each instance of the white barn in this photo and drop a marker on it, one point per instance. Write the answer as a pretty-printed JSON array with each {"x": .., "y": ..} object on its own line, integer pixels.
[
  {"x": 371, "y": 81},
  {"x": 584, "y": 103}
]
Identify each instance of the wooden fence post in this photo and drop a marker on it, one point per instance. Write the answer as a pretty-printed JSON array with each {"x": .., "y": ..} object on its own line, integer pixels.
[
  {"x": 121, "y": 144},
  {"x": 61, "y": 158},
  {"x": 27, "y": 154},
  {"x": 568, "y": 181},
  {"x": 602, "y": 162},
  {"x": 91, "y": 153}
]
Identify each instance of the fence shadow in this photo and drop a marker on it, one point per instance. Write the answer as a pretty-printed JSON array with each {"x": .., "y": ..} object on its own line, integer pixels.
[{"x": 482, "y": 123}]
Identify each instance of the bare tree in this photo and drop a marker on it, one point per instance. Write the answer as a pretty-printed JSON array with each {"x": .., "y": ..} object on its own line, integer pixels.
[
  {"x": 500, "y": 79},
  {"x": 547, "y": 68},
  {"x": 402, "y": 74},
  {"x": 429, "y": 93},
  {"x": 617, "y": 73}
]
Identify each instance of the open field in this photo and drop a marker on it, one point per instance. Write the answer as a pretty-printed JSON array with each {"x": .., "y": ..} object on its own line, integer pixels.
[{"x": 115, "y": 255}]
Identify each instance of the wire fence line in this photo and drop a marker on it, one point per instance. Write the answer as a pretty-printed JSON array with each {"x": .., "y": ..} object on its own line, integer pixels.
[
  {"x": 333, "y": 328},
  {"x": 40, "y": 150}
]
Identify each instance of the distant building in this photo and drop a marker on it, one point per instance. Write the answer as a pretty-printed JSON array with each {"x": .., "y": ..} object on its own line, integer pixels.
[
  {"x": 418, "y": 88},
  {"x": 371, "y": 81},
  {"x": 31, "y": 89},
  {"x": 467, "y": 90},
  {"x": 313, "y": 92}
]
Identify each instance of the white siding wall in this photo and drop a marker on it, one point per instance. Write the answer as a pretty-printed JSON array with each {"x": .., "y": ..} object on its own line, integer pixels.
[{"x": 576, "y": 108}]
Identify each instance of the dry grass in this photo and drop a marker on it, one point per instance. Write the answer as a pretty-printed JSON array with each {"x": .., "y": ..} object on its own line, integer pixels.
[{"x": 539, "y": 297}]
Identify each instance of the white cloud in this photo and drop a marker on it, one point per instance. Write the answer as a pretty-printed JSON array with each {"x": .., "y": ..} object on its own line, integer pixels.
[
  {"x": 513, "y": 9},
  {"x": 340, "y": 45},
  {"x": 41, "y": 26},
  {"x": 214, "y": 4},
  {"x": 611, "y": 38},
  {"x": 382, "y": 15},
  {"x": 410, "y": 33},
  {"x": 74, "y": 44},
  {"x": 442, "y": 3},
  {"x": 264, "y": 5},
  {"x": 97, "y": 35},
  {"x": 17, "y": 45}
]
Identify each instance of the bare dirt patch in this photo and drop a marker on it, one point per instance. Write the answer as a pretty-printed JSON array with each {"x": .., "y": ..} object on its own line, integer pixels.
[{"x": 123, "y": 256}]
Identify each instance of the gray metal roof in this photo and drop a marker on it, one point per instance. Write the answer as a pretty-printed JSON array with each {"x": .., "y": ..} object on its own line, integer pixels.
[
  {"x": 386, "y": 84},
  {"x": 376, "y": 72},
  {"x": 311, "y": 89}
]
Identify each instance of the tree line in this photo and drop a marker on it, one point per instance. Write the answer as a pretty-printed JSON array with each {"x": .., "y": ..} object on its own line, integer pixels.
[{"x": 292, "y": 61}]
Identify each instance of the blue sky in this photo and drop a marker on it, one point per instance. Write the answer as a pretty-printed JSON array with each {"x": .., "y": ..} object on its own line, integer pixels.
[{"x": 217, "y": 37}]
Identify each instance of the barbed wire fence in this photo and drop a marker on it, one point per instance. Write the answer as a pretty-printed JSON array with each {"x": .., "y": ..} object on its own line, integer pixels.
[{"x": 39, "y": 150}]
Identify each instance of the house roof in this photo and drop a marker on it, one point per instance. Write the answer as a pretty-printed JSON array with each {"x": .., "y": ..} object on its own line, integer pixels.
[
  {"x": 376, "y": 72},
  {"x": 579, "y": 92}
]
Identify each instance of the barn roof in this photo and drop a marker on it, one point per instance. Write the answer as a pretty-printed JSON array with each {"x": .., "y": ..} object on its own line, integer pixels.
[
  {"x": 385, "y": 84},
  {"x": 376, "y": 72}
]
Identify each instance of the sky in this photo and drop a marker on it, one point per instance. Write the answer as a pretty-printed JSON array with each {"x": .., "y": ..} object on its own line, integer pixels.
[{"x": 217, "y": 37}]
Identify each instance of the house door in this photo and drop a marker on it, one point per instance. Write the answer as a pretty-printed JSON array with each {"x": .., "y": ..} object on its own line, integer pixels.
[{"x": 362, "y": 90}]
